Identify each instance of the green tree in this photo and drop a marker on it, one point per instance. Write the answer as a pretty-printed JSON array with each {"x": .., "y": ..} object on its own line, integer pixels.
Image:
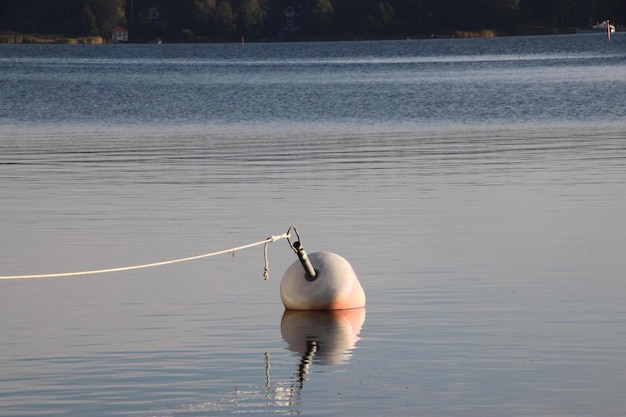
[
  {"x": 382, "y": 17},
  {"x": 319, "y": 17},
  {"x": 87, "y": 23},
  {"x": 251, "y": 16},
  {"x": 225, "y": 19},
  {"x": 203, "y": 12},
  {"x": 108, "y": 14}
]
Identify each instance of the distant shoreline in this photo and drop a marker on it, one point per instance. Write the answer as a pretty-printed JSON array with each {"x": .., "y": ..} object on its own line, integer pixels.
[{"x": 39, "y": 38}]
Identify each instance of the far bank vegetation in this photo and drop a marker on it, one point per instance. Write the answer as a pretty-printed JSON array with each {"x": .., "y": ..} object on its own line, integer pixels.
[{"x": 91, "y": 21}]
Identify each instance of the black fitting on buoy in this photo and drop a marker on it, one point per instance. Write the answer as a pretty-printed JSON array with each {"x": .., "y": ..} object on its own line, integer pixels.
[{"x": 310, "y": 272}]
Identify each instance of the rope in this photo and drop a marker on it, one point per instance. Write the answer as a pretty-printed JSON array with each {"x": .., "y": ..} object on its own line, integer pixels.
[{"x": 173, "y": 261}]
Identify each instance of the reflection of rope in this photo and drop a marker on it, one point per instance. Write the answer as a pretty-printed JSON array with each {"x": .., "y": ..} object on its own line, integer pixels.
[
  {"x": 191, "y": 258},
  {"x": 268, "y": 385}
]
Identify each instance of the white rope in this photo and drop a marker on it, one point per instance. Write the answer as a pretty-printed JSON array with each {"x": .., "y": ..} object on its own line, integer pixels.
[{"x": 173, "y": 261}]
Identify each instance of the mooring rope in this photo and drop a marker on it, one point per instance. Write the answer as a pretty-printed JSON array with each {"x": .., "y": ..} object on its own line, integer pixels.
[{"x": 173, "y": 261}]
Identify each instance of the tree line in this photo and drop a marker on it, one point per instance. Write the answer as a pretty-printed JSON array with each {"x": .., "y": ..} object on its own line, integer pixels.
[{"x": 197, "y": 20}]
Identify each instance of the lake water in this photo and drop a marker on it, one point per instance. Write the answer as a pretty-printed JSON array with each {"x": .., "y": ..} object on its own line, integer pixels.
[{"x": 476, "y": 186}]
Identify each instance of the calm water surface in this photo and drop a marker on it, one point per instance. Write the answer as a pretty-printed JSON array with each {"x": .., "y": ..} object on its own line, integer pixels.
[{"x": 476, "y": 186}]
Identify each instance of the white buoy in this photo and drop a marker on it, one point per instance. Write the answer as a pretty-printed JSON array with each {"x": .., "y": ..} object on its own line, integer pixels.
[{"x": 334, "y": 286}]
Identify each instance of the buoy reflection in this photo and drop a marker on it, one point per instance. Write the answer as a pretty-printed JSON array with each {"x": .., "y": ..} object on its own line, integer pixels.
[
  {"x": 319, "y": 338},
  {"x": 323, "y": 337}
]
